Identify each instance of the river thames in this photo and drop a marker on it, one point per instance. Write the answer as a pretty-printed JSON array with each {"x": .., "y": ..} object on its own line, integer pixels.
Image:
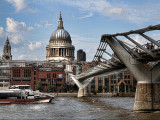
[{"x": 67, "y": 108}]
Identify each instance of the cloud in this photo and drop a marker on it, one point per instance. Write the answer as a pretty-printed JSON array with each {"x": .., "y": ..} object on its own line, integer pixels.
[
  {"x": 17, "y": 30},
  {"x": 16, "y": 38},
  {"x": 1, "y": 32},
  {"x": 81, "y": 42},
  {"x": 34, "y": 46},
  {"x": 22, "y": 57},
  {"x": 37, "y": 25},
  {"x": 86, "y": 16},
  {"x": 139, "y": 39},
  {"x": 156, "y": 36},
  {"x": 22, "y": 5},
  {"x": 15, "y": 26},
  {"x": 30, "y": 10},
  {"x": 102, "y": 7},
  {"x": 30, "y": 28},
  {"x": 135, "y": 13},
  {"x": 27, "y": 57},
  {"x": 48, "y": 24},
  {"x": 18, "y": 4}
]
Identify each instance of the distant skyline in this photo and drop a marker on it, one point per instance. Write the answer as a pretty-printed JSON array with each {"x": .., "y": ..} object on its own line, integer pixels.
[{"x": 30, "y": 23}]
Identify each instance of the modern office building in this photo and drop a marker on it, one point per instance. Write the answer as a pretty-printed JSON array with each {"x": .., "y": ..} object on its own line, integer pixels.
[{"x": 81, "y": 55}]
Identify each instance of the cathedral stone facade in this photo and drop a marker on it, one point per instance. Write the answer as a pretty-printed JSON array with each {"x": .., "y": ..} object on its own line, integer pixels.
[{"x": 60, "y": 46}]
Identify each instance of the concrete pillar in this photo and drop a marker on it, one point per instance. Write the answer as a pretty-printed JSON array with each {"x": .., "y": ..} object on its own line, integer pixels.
[
  {"x": 147, "y": 97},
  {"x": 82, "y": 92}
]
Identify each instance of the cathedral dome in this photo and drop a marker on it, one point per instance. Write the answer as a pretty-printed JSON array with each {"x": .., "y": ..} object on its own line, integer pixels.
[
  {"x": 60, "y": 46},
  {"x": 60, "y": 34}
]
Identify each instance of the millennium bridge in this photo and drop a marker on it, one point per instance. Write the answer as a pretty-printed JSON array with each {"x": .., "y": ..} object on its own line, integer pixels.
[{"x": 141, "y": 59}]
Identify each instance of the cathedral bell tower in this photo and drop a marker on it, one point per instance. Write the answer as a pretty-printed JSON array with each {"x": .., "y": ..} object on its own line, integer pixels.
[{"x": 7, "y": 51}]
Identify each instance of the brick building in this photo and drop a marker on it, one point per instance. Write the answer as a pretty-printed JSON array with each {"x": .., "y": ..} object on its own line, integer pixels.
[
  {"x": 51, "y": 76},
  {"x": 22, "y": 76},
  {"x": 31, "y": 75},
  {"x": 119, "y": 82}
]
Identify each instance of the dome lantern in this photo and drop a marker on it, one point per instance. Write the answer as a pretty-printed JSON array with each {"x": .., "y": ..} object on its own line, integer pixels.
[{"x": 60, "y": 22}]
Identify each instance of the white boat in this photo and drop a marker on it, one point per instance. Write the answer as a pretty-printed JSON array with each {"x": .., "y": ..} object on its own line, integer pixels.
[{"x": 19, "y": 94}]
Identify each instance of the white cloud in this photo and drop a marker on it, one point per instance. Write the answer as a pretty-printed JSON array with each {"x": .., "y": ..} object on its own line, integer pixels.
[
  {"x": 22, "y": 57},
  {"x": 1, "y": 32},
  {"x": 27, "y": 57},
  {"x": 156, "y": 36},
  {"x": 86, "y": 16},
  {"x": 18, "y": 4},
  {"x": 101, "y": 6},
  {"x": 89, "y": 45},
  {"x": 124, "y": 11},
  {"x": 30, "y": 10},
  {"x": 15, "y": 26},
  {"x": 34, "y": 46},
  {"x": 37, "y": 25},
  {"x": 16, "y": 38},
  {"x": 17, "y": 30},
  {"x": 30, "y": 28},
  {"x": 48, "y": 24},
  {"x": 139, "y": 39}
]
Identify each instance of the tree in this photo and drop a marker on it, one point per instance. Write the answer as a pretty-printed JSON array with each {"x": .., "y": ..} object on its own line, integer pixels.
[
  {"x": 104, "y": 88},
  {"x": 63, "y": 87},
  {"x": 51, "y": 88},
  {"x": 39, "y": 86}
]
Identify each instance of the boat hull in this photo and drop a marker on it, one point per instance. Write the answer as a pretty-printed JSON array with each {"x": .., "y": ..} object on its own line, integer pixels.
[{"x": 25, "y": 101}]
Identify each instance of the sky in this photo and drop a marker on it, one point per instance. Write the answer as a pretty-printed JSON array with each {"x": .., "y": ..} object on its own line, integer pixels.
[{"x": 30, "y": 23}]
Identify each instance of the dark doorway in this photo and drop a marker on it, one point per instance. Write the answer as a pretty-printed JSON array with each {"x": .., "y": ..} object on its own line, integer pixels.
[{"x": 122, "y": 87}]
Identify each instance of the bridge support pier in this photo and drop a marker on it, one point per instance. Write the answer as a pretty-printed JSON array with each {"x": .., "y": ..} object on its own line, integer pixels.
[
  {"x": 147, "y": 97},
  {"x": 82, "y": 92}
]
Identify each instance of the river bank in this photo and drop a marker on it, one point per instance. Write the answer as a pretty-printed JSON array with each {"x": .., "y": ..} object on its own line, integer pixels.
[{"x": 94, "y": 95}]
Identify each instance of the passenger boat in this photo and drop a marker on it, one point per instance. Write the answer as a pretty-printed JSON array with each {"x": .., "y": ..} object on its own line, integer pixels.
[{"x": 20, "y": 94}]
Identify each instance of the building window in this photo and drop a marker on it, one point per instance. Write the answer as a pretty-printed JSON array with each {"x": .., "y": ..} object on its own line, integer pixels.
[
  {"x": 54, "y": 75},
  {"x": 48, "y": 75},
  {"x": 27, "y": 73},
  {"x": 120, "y": 76},
  {"x": 93, "y": 82},
  {"x": 43, "y": 80},
  {"x": 99, "y": 78},
  {"x": 16, "y": 73},
  {"x": 44, "y": 85}
]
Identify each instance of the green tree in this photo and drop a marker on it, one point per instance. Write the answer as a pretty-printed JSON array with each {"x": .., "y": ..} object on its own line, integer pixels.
[
  {"x": 64, "y": 88},
  {"x": 51, "y": 87},
  {"x": 104, "y": 88},
  {"x": 39, "y": 86}
]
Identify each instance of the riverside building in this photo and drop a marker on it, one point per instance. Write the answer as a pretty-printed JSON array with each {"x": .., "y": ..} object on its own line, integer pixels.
[{"x": 52, "y": 71}]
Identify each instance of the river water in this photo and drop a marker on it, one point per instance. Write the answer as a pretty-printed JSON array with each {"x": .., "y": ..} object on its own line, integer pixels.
[{"x": 72, "y": 108}]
